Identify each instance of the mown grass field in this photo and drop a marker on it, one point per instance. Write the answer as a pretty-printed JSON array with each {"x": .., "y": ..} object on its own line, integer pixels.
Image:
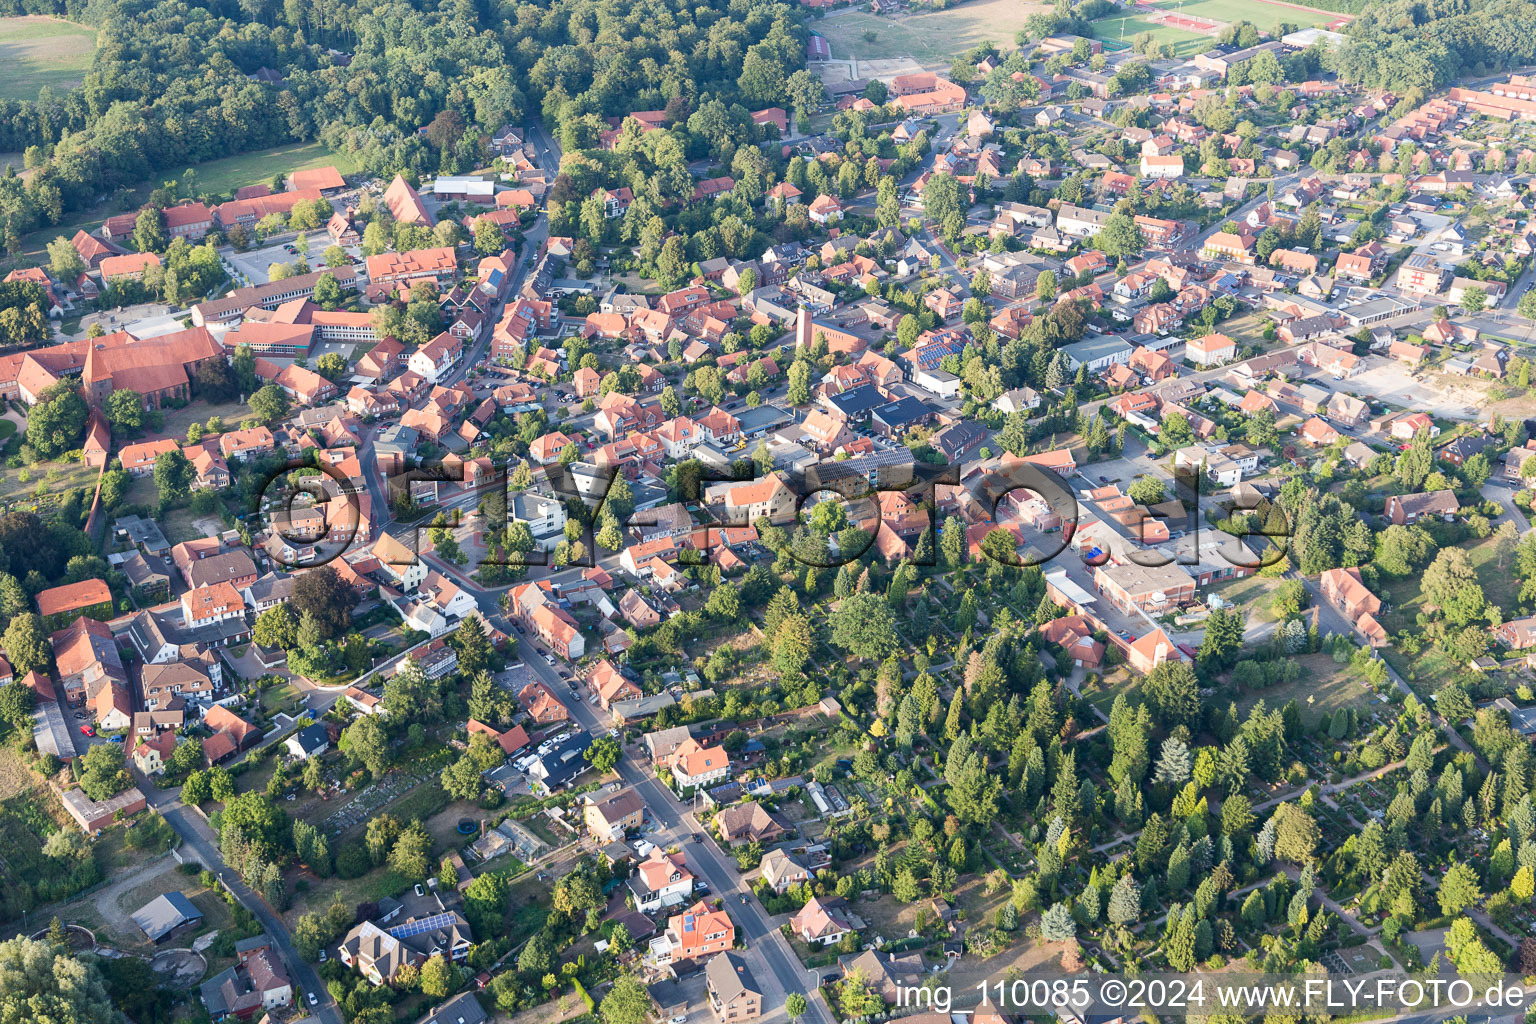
[
  {"x": 224, "y": 176},
  {"x": 927, "y": 38},
  {"x": 1323, "y": 687},
  {"x": 1185, "y": 42},
  {"x": 1128, "y": 26},
  {"x": 1262, "y": 14},
  {"x": 234, "y": 172},
  {"x": 36, "y": 51}
]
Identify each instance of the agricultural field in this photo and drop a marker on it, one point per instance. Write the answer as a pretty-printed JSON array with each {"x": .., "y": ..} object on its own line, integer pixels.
[
  {"x": 928, "y": 38},
  {"x": 36, "y": 51}
]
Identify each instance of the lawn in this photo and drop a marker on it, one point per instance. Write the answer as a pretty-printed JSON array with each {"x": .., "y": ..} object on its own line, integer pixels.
[
  {"x": 1322, "y": 688},
  {"x": 1500, "y": 584},
  {"x": 216, "y": 913},
  {"x": 1115, "y": 681},
  {"x": 1430, "y": 668},
  {"x": 1239, "y": 10},
  {"x": 234, "y": 172},
  {"x": 48, "y": 477},
  {"x": 370, "y": 888},
  {"x": 36, "y": 51},
  {"x": 933, "y": 37},
  {"x": 223, "y": 175},
  {"x": 177, "y": 421},
  {"x": 1251, "y": 594}
]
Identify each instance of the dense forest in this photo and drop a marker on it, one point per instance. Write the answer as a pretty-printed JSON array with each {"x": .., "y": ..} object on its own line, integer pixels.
[
  {"x": 1423, "y": 45},
  {"x": 403, "y": 86}
]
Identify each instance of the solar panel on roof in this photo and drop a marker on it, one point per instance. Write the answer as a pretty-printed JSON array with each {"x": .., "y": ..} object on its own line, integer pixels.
[{"x": 425, "y": 924}]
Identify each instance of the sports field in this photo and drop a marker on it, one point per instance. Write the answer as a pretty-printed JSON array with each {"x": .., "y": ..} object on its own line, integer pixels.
[
  {"x": 928, "y": 38},
  {"x": 36, "y": 51},
  {"x": 1128, "y": 26},
  {"x": 1262, "y": 13}
]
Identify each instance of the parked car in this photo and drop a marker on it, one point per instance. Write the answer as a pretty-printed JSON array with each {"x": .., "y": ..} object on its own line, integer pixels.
[
  {"x": 86, "y": 730},
  {"x": 419, "y": 890},
  {"x": 314, "y": 1000}
]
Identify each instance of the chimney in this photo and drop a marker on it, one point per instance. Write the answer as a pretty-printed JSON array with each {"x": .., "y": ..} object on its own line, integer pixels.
[{"x": 803, "y": 328}]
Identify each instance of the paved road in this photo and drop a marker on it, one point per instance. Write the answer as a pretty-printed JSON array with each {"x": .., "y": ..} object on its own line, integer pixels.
[
  {"x": 775, "y": 964},
  {"x": 200, "y": 842}
]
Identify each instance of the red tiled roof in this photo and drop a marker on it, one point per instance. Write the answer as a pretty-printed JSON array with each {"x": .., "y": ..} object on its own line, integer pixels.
[{"x": 73, "y": 596}]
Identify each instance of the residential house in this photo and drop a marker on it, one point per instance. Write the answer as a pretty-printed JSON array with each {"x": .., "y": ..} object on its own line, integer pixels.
[
  {"x": 698, "y": 932},
  {"x": 734, "y": 995},
  {"x": 661, "y": 880},
  {"x": 1347, "y": 593},
  {"x": 1407, "y": 509},
  {"x": 750, "y": 823},
  {"x": 817, "y": 924},
  {"x": 609, "y": 816},
  {"x": 695, "y": 765},
  {"x": 781, "y": 871}
]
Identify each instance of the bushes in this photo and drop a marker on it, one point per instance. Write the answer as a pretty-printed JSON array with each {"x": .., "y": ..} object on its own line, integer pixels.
[
  {"x": 585, "y": 997},
  {"x": 352, "y": 861}
]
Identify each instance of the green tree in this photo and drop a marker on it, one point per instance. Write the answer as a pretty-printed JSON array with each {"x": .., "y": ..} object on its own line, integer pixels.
[
  {"x": 626, "y": 1003},
  {"x": 1459, "y": 889},
  {"x": 864, "y": 626},
  {"x": 125, "y": 410},
  {"x": 322, "y": 593},
  {"x": 461, "y": 779},
  {"x": 410, "y": 854},
  {"x": 101, "y": 771},
  {"x": 1119, "y": 237},
  {"x": 793, "y": 644},
  {"x": 604, "y": 754},
  {"x": 1296, "y": 834},
  {"x": 26, "y": 644},
  {"x": 1057, "y": 925},
  {"x": 366, "y": 741},
  {"x": 1125, "y": 901},
  {"x": 174, "y": 475},
  {"x": 270, "y": 403},
  {"x": 64, "y": 261},
  {"x": 1174, "y": 693},
  {"x": 40, "y": 982},
  {"x": 1451, "y": 584},
  {"x": 56, "y": 421},
  {"x": 149, "y": 230},
  {"x": 438, "y": 977}
]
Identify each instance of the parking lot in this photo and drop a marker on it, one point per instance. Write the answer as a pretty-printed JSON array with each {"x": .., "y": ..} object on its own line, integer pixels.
[{"x": 251, "y": 267}]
